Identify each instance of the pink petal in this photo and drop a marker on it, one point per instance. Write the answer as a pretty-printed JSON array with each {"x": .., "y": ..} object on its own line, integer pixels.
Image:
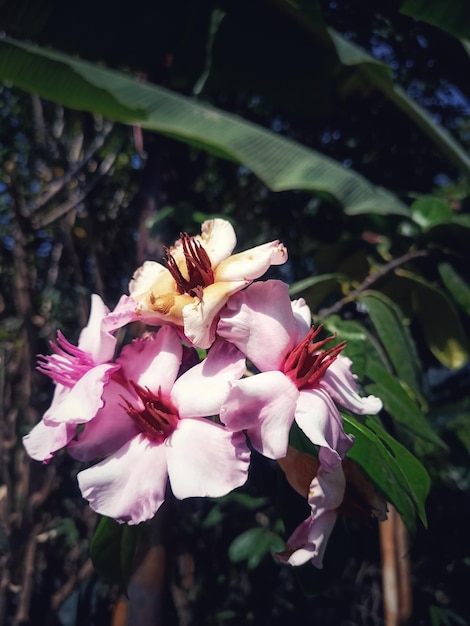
[
  {"x": 44, "y": 440},
  {"x": 93, "y": 339},
  {"x": 260, "y": 322},
  {"x": 128, "y": 486},
  {"x": 303, "y": 319},
  {"x": 263, "y": 405},
  {"x": 201, "y": 390},
  {"x": 298, "y": 550},
  {"x": 317, "y": 415},
  {"x": 218, "y": 239},
  {"x": 124, "y": 312},
  {"x": 327, "y": 490},
  {"x": 80, "y": 404},
  {"x": 340, "y": 383},
  {"x": 200, "y": 317},
  {"x": 154, "y": 361},
  {"x": 252, "y": 263},
  {"x": 205, "y": 459},
  {"x": 109, "y": 430}
]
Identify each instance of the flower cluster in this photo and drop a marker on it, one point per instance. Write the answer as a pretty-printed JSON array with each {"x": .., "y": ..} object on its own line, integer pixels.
[{"x": 150, "y": 414}]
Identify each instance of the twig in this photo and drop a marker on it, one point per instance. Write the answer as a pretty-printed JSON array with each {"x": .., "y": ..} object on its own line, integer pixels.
[
  {"x": 56, "y": 187},
  {"x": 77, "y": 198},
  {"x": 370, "y": 280},
  {"x": 71, "y": 584}
]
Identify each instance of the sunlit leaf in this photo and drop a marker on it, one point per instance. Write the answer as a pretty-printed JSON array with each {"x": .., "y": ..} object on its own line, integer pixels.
[
  {"x": 279, "y": 162},
  {"x": 361, "y": 347},
  {"x": 383, "y": 465},
  {"x": 429, "y": 211},
  {"x": 439, "y": 320}
]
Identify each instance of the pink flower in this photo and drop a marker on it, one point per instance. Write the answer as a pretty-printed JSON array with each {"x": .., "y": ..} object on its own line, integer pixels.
[
  {"x": 199, "y": 275},
  {"x": 298, "y": 380},
  {"x": 153, "y": 425},
  {"x": 309, "y": 539},
  {"x": 79, "y": 372}
]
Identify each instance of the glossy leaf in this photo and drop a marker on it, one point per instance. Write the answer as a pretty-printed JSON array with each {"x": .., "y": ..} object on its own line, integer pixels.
[
  {"x": 456, "y": 285},
  {"x": 279, "y": 162},
  {"x": 395, "y": 337},
  {"x": 399, "y": 404},
  {"x": 112, "y": 550},
  {"x": 439, "y": 320}
]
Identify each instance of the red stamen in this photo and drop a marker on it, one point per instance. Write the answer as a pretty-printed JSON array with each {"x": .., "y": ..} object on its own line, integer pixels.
[
  {"x": 306, "y": 364},
  {"x": 159, "y": 417},
  {"x": 198, "y": 265}
]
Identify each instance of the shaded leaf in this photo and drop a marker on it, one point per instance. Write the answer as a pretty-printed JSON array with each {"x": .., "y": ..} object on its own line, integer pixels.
[
  {"x": 442, "y": 329},
  {"x": 112, "y": 550},
  {"x": 400, "y": 405},
  {"x": 253, "y": 545},
  {"x": 456, "y": 285},
  {"x": 280, "y": 163},
  {"x": 315, "y": 289},
  {"x": 415, "y": 473},
  {"x": 395, "y": 337},
  {"x": 450, "y": 15}
]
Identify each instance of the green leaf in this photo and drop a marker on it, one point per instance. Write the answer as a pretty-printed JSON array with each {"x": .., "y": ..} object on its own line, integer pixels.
[
  {"x": 315, "y": 289},
  {"x": 253, "y": 545},
  {"x": 399, "y": 404},
  {"x": 460, "y": 425},
  {"x": 415, "y": 473},
  {"x": 429, "y": 211},
  {"x": 361, "y": 347},
  {"x": 442, "y": 329},
  {"x": 388, "y": 468},
  {"x": 279, "y": 162},
  {"x": 395, "y": 337},
  {"x": 456, "y": 285},
  {"x": 112, "y": 550},
  {"x": 450, "y": 15}
]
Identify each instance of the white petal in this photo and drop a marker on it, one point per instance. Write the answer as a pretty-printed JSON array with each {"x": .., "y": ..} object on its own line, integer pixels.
[
  {"x": 128, "y": 486},
  {"x": 205, "y": 459}
]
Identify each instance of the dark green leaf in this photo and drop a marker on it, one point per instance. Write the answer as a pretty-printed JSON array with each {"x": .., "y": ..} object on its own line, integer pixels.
[
  {"x": 395, "y": 337},
  {"x": 383, "y": 465},
  {"x": 253, "y": 545},
  {"x": 456, "y": 285},
  {"x": 399, "y": 404},
  {"x": 112, "y": 550},
  {"x": 416, "y": 475},
  {"x": 450, "y": 15}
]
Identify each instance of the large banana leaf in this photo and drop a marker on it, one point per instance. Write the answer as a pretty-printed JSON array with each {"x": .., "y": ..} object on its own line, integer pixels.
[{"x": 282, "y": 164}]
